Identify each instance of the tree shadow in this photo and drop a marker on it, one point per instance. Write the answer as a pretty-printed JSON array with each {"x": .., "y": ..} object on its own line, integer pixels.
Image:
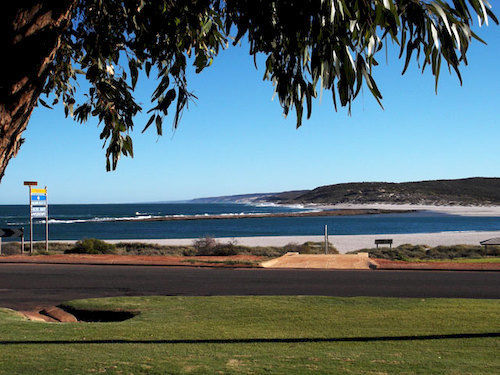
[{"x": 257, "y": 340}]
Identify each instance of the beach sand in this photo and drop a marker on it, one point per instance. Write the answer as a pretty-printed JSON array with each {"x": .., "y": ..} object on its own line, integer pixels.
[
  {"x": 453, "y": 210},
  {"x": 345, "y": 243}
]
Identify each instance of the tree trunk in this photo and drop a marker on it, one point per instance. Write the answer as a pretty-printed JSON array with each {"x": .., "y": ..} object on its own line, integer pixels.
[{"x": 31, "y": 31}]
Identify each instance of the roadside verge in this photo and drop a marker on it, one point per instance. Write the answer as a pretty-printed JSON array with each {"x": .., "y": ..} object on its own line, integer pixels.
[
  {"x": 247, "y": 261},
  {"x": 234, "y": 261}
]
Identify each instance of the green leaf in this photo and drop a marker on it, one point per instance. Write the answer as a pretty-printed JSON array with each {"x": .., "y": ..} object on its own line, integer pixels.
[
  {"x": 133, "y": 72},
  {"x": 42, "y": 102},
  {"x": 304, "y": 44},
  {"x": 158, "y": 125},
  {"x": 150, "y": 121}
]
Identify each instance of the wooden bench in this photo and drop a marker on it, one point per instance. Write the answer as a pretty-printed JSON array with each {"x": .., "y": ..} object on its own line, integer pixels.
[
  {"x": 490, "y": 242},
  {"x": 384, "y": 241}
]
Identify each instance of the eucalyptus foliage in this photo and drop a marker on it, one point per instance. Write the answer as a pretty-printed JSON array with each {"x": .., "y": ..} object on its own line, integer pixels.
[{"x": 308, "y": 45}]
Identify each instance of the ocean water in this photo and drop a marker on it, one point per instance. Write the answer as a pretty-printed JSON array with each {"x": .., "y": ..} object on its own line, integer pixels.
[{"x": 71, "y": 222}]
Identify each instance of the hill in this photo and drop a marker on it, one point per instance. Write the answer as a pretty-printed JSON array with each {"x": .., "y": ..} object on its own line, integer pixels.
[{"x": 466, "y": 191}]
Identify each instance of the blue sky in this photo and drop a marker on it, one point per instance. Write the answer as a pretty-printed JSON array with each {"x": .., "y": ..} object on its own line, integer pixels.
[{"x": 234, "y": 139}]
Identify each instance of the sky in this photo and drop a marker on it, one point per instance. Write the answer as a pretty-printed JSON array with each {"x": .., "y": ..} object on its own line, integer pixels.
[{"x": 235, "y": 140}]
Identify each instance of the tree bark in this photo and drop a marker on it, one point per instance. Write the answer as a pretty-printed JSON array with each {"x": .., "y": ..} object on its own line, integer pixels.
[{"x": 31, "y": 31}]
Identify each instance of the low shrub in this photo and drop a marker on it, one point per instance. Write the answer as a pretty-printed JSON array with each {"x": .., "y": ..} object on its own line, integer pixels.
[
  {"x": 92, "y": 246},
  {"x": 43, "y": 252},
  {"x": 209, "y": 246},
  {"x": 146, "y": 248},
  {"x": 189, "y": 252},
  {"x": 11, "y": 248},
  {"x": 310, "y": 248},
  {"x": 53, "y": 246},
  {"x": 408, "y": 252},
  {"x": 402, "y": 252},
  {"x": 264, "y": 251},
  {"x": 462, "y": 251},
  {"x": 14, "y": 248}
]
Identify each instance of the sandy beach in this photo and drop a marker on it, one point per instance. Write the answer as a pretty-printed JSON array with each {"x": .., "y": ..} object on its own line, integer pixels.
[
  {"x": 345, "y": 243},
  {"x": 452, "y": 210}
]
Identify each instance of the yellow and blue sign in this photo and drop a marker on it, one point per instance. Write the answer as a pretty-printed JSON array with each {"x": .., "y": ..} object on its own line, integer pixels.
[
  {"x": 38, "y": 202},
  {"x": 38, "y": 196},
  {"x": 38, "y": 191}
]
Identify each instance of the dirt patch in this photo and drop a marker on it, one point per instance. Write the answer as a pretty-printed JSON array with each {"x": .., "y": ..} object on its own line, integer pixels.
[
  {"x": 59, "y": 315},
  {"x": 322, "y": 261},
  {"x": 35, "y": 316},
  {"x": 385, "y": 264},
  {"x": 247, "y": 261},
  {"x": 52, "y": 314}
]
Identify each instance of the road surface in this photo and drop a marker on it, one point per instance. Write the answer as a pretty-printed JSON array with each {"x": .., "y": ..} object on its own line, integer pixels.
[{"x": 27, "y": 286}]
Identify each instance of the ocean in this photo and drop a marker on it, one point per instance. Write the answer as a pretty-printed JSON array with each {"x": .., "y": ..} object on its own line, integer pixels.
[{"x": 73, "y": 222}]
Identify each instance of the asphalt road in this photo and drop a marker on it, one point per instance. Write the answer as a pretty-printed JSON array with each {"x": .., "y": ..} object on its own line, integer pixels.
[{"x": 26, "y": 286}]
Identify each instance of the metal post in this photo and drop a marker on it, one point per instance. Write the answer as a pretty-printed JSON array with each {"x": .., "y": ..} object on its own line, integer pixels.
[
  {"x": 31, "y": 227},
  {"x": 46, "y": 221},
  {"x": 30, "y": 184},
  {"x": 326, "y": 239},
  {"x": 22, "y": 244},
  {"x": 327, "y": 242},
  {"x": 0, "y": 245}
]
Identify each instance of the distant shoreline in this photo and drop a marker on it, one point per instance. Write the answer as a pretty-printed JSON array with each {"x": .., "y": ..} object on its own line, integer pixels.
[
  {"x": 329, "y": 212},
  {"x": 460, "y": 210}
]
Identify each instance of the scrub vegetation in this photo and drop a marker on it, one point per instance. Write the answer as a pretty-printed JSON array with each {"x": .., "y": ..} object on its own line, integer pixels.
[
  {"x": 408, "y": 252},
  {"x": 464, "y": 191},
  {"x": 206, "y": 246}
]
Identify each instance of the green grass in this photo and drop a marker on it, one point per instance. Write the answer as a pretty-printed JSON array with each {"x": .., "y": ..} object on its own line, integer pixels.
[
  {"x": 229, "y": 319},
  {"x": 480, "y": 260},
  {"x": 461, "y": 260},
  {"x": 225, "y": 262},
  {"x": 7, "y": 315}
]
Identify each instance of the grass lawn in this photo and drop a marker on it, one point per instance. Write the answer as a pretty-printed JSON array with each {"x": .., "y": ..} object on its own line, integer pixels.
[
  {"x": 259, "y": 335},
  {"x": 476, "y": 260}
]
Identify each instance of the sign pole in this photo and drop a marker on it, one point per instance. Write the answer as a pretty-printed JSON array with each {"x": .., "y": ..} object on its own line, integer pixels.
[
  {"x": 326, "y": 239},
  {"x": 31, "y": 227},
  {"x": 46, "y": 221},
  {"x": 30, "y": 184}
]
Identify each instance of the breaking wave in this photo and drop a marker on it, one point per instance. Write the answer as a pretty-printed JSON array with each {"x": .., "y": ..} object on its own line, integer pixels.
[
  {"x": 138, "y": 218},
  {"x": 295, "y": 206}
]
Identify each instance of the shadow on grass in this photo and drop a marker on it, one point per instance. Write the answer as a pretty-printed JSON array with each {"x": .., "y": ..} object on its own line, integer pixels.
[{"x": 258, "y": 340}]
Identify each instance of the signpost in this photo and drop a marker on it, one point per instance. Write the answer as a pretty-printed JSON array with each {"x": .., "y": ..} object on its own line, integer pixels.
[
  {"x": 326, "y": 239},
  {"x": 38, "y": 209}
]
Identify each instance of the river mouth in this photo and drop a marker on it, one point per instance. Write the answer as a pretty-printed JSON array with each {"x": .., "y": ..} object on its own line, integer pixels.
[{"x": 99, "y": 316}]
